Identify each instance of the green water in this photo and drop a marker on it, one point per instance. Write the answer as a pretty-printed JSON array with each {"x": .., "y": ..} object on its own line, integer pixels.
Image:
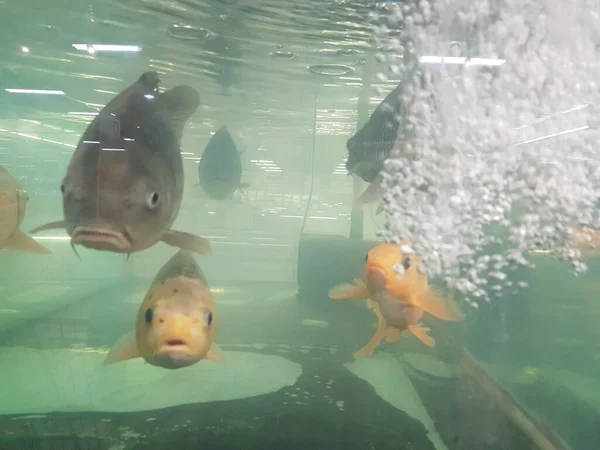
[{"x": 289, "y": 379}]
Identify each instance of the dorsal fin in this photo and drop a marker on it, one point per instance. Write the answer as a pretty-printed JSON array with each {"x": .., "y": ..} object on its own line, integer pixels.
[
  {"x": 179, "y": 103},
  {"x": 182, "y": 264},
  {"x": 146, "y": 84},
  {"x": 111, "y": 126}
]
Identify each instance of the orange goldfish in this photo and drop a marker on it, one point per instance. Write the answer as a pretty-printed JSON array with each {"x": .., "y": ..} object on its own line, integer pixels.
[
  {"x": 398, "y": 293},
  {"x": 587, "y": 240},
  {"x": 177, "y": 321},
  {"x": 13, "y": 204}
]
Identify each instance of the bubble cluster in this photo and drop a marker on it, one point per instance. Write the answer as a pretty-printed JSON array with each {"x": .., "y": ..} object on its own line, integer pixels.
[{"x": 492, "y": 161}]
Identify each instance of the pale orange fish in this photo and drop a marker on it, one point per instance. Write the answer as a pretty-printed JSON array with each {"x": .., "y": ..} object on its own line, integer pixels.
[
  {"x": 398, "y": 299},
  {"x": 13, "y": 204},
  {"x": 177, "y": 321},
  {"x": 587, "y": 240}
]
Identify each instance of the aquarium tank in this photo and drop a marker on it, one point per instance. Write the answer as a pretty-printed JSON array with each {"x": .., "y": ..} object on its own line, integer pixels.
[{"x": 325, "y": 224}]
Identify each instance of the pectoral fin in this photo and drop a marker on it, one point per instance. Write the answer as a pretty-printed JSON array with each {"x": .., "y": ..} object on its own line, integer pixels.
[
  {"x": 393, "y": 334},
  {"x": 347, "y": 291},
  {"x": 373, "y": 193},
  {"x": 180, "y": 102},
  {"x": 438, "y": 306},
  {"x": 187, "y": 241},
  {"x": 125, "y": 348},
  {"x": 359, "y": 282},
  {"x": 421, "y": 333},
  {"x": 215, "y": 354},
  {"x": 19, "y": 241},
  {"x": 59, "y": 224},
  {"x": 381, "y": 322}
]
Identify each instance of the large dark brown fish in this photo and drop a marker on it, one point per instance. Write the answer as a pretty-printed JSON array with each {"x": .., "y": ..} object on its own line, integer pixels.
[
  {"x": 13, "y": 203},
  {"x": 220, "y": 169},
  {"x": 124, "y": 185},
  {"x": 176, "y": 322}
]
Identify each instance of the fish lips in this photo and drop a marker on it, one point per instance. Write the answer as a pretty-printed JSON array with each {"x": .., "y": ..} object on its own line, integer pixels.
[
  {"x": 174, "y": 353},
  {"x": 101, "y": 239},
  {"x": 375, "y": 278}
]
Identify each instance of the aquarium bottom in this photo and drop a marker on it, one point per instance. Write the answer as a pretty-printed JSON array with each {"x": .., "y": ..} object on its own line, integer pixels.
[
  {"x": 328, "y": 407},
  {"x": 292, "y": 384}
]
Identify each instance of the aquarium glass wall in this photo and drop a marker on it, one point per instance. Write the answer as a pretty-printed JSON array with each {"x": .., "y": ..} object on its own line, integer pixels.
[{"x": 270, "y": 224}]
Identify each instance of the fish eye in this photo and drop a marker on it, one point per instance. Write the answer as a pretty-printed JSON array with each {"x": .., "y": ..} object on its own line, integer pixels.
[
  {"x": 406, "y": 263},
  {"x": 366, "y": 257},
  {"x": 62, "y": 188},
  {"x": 149, "y": 316},
  {"x": 153, "y": 200},
  {"x": 208, "y": 318}
]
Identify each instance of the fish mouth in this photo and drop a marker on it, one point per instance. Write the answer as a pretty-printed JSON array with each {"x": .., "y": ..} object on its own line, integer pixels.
[
  {"x": 375, "y": 270},
  {"x": 174, "y": 353},
  {"x": 174, "y": 345},
  {"x": 375, "y": 279},
  {"x": 101, "y": 239}
]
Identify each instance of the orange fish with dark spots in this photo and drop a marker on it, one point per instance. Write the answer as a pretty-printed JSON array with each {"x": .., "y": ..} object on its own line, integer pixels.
[
  {"x": 399, "y": 294},
  {"x": 177, "y": 321}
]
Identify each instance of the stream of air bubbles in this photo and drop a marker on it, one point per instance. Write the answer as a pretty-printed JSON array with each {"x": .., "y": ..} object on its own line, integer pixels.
[{"x": 498, "y": 158}]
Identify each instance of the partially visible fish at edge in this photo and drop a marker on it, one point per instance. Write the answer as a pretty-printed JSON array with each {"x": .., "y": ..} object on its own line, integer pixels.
[
  {"x": 371, "y": 145},
  {"x": 385, "y": 131},
  {"x": 13, "y": 205}
]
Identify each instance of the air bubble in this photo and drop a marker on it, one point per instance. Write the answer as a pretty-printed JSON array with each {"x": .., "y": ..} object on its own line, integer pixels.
[
  {"x": 188, "y": 32},
  {"x": 399, "y": 269},
  {"x": 482, "y": 166}
]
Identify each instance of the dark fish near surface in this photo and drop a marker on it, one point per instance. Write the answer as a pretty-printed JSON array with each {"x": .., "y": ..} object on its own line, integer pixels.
[
  {"x": 220, "y": 169},
  {"x": 371, "y": 145},
  {"x": 124, "y": 185},
  {"x": 176, "y": 322},
  {"x": 385, "y": 130},
  {"x": 13, "y": 204}
]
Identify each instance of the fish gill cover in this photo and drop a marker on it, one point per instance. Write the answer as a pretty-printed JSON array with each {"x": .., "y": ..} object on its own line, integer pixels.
[{"x": 500, "y": 180}]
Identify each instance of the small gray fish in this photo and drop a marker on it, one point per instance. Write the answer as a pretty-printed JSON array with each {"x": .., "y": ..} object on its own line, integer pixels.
[
  {"x": 220, "y": 169},
  {"x": 124, "y": 184},
  {"x": 13, "y": 203}
]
